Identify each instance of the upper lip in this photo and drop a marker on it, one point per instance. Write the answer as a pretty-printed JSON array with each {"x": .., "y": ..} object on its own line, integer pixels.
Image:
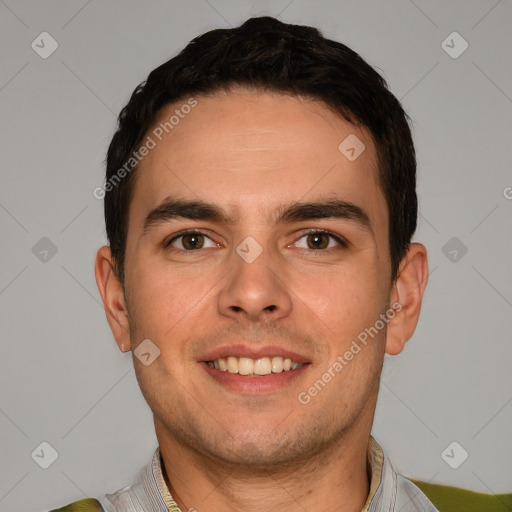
[{"x": 252, "y": 352}]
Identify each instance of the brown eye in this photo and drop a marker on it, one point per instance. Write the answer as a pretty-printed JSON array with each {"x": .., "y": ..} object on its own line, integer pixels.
[
  {"x": 191, "y": 241},
  {"x": 318, "y": 241}
]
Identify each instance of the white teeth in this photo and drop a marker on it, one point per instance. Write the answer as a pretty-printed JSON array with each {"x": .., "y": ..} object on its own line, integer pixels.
[
  {"x": 245, "y": 366},
  {"x": 277, "y": 364},
  {"x": 232, "y": 364},
  {"x": 263, "y": 366},
  {"x": 253, "y": 367}
]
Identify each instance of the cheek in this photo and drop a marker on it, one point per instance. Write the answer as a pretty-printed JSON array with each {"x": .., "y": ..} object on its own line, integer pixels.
[
  {"x": 345, "y": 301},
  {"x": 163, "y": 300}
]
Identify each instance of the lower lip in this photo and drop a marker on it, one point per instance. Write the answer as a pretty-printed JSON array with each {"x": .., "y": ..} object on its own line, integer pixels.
[{"x": 262, "y": 385}]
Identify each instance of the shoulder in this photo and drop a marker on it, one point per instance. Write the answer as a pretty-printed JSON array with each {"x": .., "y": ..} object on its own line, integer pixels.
[
  {"x": 87, "y": 505},
  {"x": 454, "y": 499}
]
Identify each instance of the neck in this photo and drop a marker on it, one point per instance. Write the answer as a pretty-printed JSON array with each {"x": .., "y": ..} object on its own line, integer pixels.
[{"x": 334, "y": 479}]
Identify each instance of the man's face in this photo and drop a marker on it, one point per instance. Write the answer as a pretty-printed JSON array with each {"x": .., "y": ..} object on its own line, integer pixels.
[{"x": 253, "y": 155}]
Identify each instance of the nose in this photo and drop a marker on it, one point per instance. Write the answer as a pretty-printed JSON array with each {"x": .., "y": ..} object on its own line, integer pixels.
[{"x": 255, "y": 291}]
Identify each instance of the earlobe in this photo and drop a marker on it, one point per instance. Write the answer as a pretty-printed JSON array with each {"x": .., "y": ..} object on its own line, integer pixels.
[
  {"x": 407, "y": 291},
  {"x": 112, "y": 295}
]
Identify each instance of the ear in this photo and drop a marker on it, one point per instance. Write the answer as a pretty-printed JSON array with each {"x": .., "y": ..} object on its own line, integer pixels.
[
  {"x": 111, "y": 292},
  {"x": 407, "y": 292}
]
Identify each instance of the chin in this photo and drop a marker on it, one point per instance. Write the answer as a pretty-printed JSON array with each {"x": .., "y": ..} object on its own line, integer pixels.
[{"x": 255, "y": 456}]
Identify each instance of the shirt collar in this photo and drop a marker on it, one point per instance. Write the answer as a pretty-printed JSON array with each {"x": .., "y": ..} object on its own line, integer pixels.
[
  {"x": 375, "y": 457},
  {"x": 160, "y": 481}
]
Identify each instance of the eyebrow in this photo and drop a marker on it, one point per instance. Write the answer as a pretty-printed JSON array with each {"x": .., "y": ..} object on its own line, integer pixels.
[{"x": 171, "y": 209}]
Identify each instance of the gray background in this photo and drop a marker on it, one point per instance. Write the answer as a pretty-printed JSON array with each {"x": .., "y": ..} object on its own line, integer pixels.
[{"x": 63, "y": 379}]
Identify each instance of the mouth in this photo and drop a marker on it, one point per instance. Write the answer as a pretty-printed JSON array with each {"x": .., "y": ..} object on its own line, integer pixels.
[
  {"x": 262, "y": 376},
  {"x": 254, "y": 370}
]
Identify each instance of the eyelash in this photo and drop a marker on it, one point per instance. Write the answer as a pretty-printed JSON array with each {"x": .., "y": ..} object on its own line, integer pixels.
[{"x": 340, "y": 240}]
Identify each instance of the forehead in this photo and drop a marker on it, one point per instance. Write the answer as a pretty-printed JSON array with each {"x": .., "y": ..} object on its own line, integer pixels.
[{"x": 253, "y": 151}]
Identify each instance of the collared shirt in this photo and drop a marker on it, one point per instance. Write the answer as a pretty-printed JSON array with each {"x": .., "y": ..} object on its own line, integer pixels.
[{"x": 389, "y": 491}]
